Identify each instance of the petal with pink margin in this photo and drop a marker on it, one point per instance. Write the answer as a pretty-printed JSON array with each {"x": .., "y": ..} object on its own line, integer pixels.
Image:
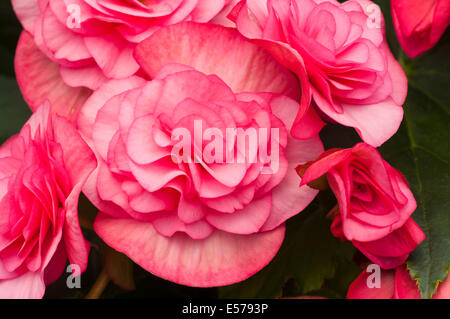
[
  {"x": 391, "y": 251},
  {"x": 246, "y": 221},
  {"x": 214, "y": 49},
  {"x": 221, "y": 259},
  {"x": 375, "y": 123},
  {"x": 288, "y": 199},
  {"x": 113, "y": 54},
  {"x": 205, "y": 10},
  {"x": 98, "y": 99},
  {"x": 90, "y": 76},
  {"x": 26, "y": 12},
  {"x": 249, "y": 17},
  {"x": 28, "y": 286},
  {"x": 39, "y": 80}
]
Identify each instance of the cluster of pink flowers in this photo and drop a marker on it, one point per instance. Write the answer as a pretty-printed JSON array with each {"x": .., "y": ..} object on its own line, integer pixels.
[{"x": 110, "y": 82}]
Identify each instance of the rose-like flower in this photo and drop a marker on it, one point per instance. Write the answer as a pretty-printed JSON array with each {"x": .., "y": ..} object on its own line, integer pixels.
[
  {"x": 420, "y": 24},
  {"x": 182, "y": 209},
  {"x": 375, "y": 203},
  {"x": 42, "y": 171},
  {"x": 341, "y": 57},
  {"x": 394, "y": 284},
  {"x": 89, "y": 41}
]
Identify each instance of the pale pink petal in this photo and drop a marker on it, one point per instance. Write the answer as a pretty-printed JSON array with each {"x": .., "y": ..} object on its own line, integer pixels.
[
  {"x": 288, "y": 199},
  {"x": 90, "y": 76},
  {"x": 216, "y": 261},
  {"x": 222, "y": 17},
  {"x": 375, "y": 123},
  {"x": 113, "y": 54},
  {"x": 26, "y": 11},
  {"x": 246, "y": 221},
  {"x": 63, "y": 45},
  {"x": 244, "y": 66},
  {"x": 28, "y": 286},
  {"x": 78, "y": 157},
  {"x": 141, "y": 146},
  {"x": 205, "y": 10},
  {"x": 91, "y": 192},
  {"x": 170, "y": 224},
  {"x": 89, "y": 111},
  {"x": 39, "y": 80}
]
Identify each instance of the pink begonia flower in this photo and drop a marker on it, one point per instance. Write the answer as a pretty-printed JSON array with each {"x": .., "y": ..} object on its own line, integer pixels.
[
  {"x": 375, "y": 203},
  {"x": 389, "y": 251},
  {"x": 339, "y": 52},
  {"x": 419, "y": 24},
  {"x": 394, "y": 284},
  {"x": 42, "y": 172},
  {"x": 202, "y": 223},
  {"x": 39, "y": 80},
  {"x": 90, "y": 41}
]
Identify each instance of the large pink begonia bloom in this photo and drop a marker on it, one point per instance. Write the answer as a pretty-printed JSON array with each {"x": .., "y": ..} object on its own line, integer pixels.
[
  {"x": 199, "y": 224},
  {"x": 339, "y": 52},
  {"x": 419, "y": 24},
  {"x": 87, "y": 42},
  {"x": 42, "y": 172},
  {"x": 375, "y": 203},
  {"x": 394, "y": 284}
]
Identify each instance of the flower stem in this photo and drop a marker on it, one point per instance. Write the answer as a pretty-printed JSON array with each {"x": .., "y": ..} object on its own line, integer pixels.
[{"x": 99, "y": 286}]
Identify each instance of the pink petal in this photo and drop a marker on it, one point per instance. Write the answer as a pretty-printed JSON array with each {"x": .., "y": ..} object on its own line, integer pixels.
[
  {"x": 324, "y": 164},
  {"x": 39, "y": 80},
  {"x": 113, "y": 54},
  {"x": 207, "y": 48},
  {"x": 77, "y": 247},
  {"x": 205, "y": 10},
  {"x": 99, "y": 98},
  {"x": 391, "y": 251},
  {"x": 288, "y": 199},
  {"x": 91, "y": 192},
  {"x": 90, "y": 76},
  {"x": 246, "y": 221},
  {"x": 154, "y": 176},
  {"x": 79, "y": 159},
  {"x": 170, "y": 224},
  {"x": 405, "y": 286},
  {"x": 28, "y": 286},
  {"x": 375, "y": 123},
  {"x": 359, "y": 288},
  {"x": 443, "y": 291},
  {"x": 26, "y": 11},
  {"x": 59, "y": 42},
  {"x": 215, "y": 261},
  {"x": 141, "y": 146},
  {"x": 398, "y": 77},
  {"x": 56, "y": 266},
  {"x": 419, "y": 24}
]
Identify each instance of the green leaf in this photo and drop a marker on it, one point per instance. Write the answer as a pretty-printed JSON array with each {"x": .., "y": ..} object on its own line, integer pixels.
[
  {"x": 309, "y": 255},
  {"x": 420, "y": 150},
  {"x": 14, "y": 112}
]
